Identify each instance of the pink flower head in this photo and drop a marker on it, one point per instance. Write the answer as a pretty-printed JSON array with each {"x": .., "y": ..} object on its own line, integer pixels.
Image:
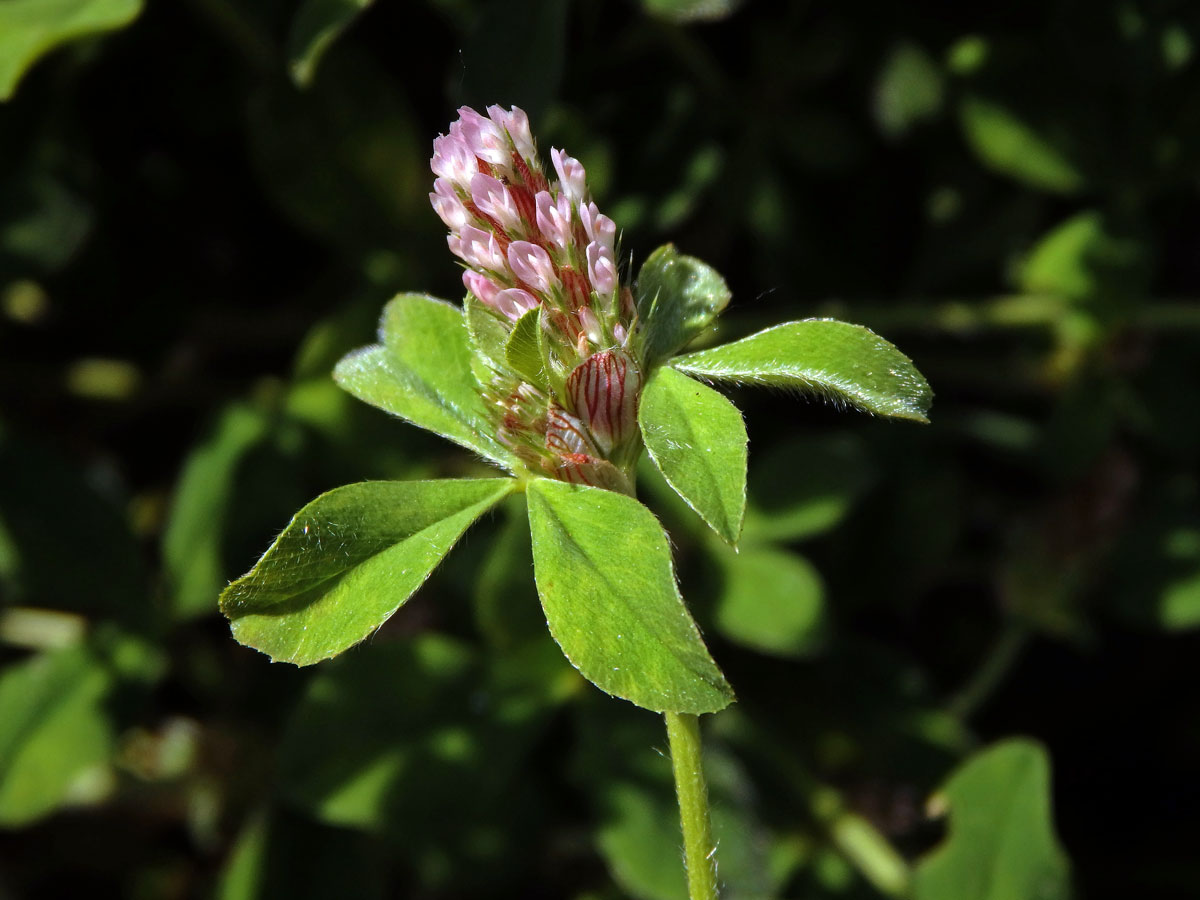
[
  {"x": 516, "y": 123},
  {"x": 554, "y": 219},
  {"x": 453, "y": 159},
  {"x": 477, "y": 248},
  {"x": 447, "y": 204},
  {"x": 571, "y": 177},
  {"x": 532, "y": 265},
  {"x": 494, "y": 199},
  {"x": 486, "y": 140},
  {"x": 602, "y": 268}
]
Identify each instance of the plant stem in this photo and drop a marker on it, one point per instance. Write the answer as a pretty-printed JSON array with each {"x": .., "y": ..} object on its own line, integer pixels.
[
  {"x": 700, "y": 853},
  {"x": 996, "y": 665}
]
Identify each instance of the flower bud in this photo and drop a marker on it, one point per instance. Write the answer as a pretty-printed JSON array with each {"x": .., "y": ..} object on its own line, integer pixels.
[
  {"x": 532, "y": 265},
  {"x": 554, "y": 219},
  {"x": 604, "y": 390},
  {"x": 484, "y": 138},
  {"x": 477, "y": 248},
  {"x": 481, "y": 286},
  {"x": 602, "y": 268},
  {"x": 447, "y": 204},
  {"x": 494, "y": 200},
  {"x": 516, "y": 123},
  {"x": 572, "y": 179},
  {"x": 514, "y": 302},
  {"x": 599, "y": 227},
  {"x": 453, "y": 159},
  {"x": 566, "y": 434}
]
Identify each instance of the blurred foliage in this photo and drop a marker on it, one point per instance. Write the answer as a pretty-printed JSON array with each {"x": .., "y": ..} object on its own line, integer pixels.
[{"x": 204, "y": 204}]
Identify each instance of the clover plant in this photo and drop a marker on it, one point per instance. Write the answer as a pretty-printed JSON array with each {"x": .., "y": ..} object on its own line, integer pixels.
[{"x": 560, "y": 372}]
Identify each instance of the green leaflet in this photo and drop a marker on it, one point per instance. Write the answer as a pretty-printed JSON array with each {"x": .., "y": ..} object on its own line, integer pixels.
[
  {"x": 677, "y": 298},
  {"x": 1002, "y": 844},
  {"x": 317, "y": 24},
  {"x": 350, "y": 559},
  {"x": 488, "y": 333},
  {"x": 604, "y": 574},
  {"x": 31, "y": 28},
  {"x": 841, "y": 362},
  {"x": 697, "y": 439},
  {"x": 422, "y": 372},
  {"x": 525, "y": 351}
]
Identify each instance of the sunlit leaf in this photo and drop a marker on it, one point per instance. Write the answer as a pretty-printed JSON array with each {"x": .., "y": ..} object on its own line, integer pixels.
[
  {"x": 350, "y": 559},
  {"x": 604, "y": 574},
  {"x": 805, "y": 485},
  {"x": 843, "y": 363},
  {"x": 31, "y": 28},
  {"x": 421, "y": 371},
  {"x": 677, "y": 297},
  {"x": 1001, "y": 844},
  {"x": 698, "y": 441},
  {"x": 317, "y": 24}
]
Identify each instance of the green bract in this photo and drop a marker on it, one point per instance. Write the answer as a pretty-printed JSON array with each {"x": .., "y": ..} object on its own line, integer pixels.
[{"x": 602, "y": 561}]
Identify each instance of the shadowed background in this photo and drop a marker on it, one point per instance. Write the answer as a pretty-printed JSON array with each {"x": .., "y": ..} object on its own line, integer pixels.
[{"x": 204, "y": 204}]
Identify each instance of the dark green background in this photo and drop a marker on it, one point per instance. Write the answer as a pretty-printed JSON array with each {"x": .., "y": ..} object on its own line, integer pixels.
[{"x": 189, "y": 240}]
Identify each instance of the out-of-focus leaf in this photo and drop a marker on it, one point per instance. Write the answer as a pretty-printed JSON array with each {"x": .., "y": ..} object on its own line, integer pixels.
[
  {"x": 506, "y": 601},
  {"x": 698, "y": 441},
  {"x": 192, "y": 551},
  {"x": 805, "y": 486},
  {"x": 431, "y": 766},
  {"x": 53, "y": 728},
  {"x": 772, "y": 601},
  {"x": 688, "y": 11},
  {"x": 1010, "y": 146},
  {"x": 1081, "y": 258},
  {"x": 31, "y": 28},
  {"x": 909, "y": 89},
  {"x": 348, "y": 561},
  {"x": 52, "y": 511},
  {"x": 529, "y": 71},
  {"x": 278, "y": 855},
  {"x": 421, "y": 371},
  {"x": 41, "y": 221},
  {"x": 677, "y": 297},
  {"x": 1179, "y": 604},
  {"x": 604, "y": 574},
  {"x": 1001, "y": 844},
  {"x": 345, "y": 164},
  {"x": 317, "y": 24},
  {"x": 623, "y": 769},
  {"x": 842, "y": 363}
]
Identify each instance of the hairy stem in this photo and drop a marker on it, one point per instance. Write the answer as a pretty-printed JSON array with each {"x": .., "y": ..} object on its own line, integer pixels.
[{"x": 700, "y": 854}]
